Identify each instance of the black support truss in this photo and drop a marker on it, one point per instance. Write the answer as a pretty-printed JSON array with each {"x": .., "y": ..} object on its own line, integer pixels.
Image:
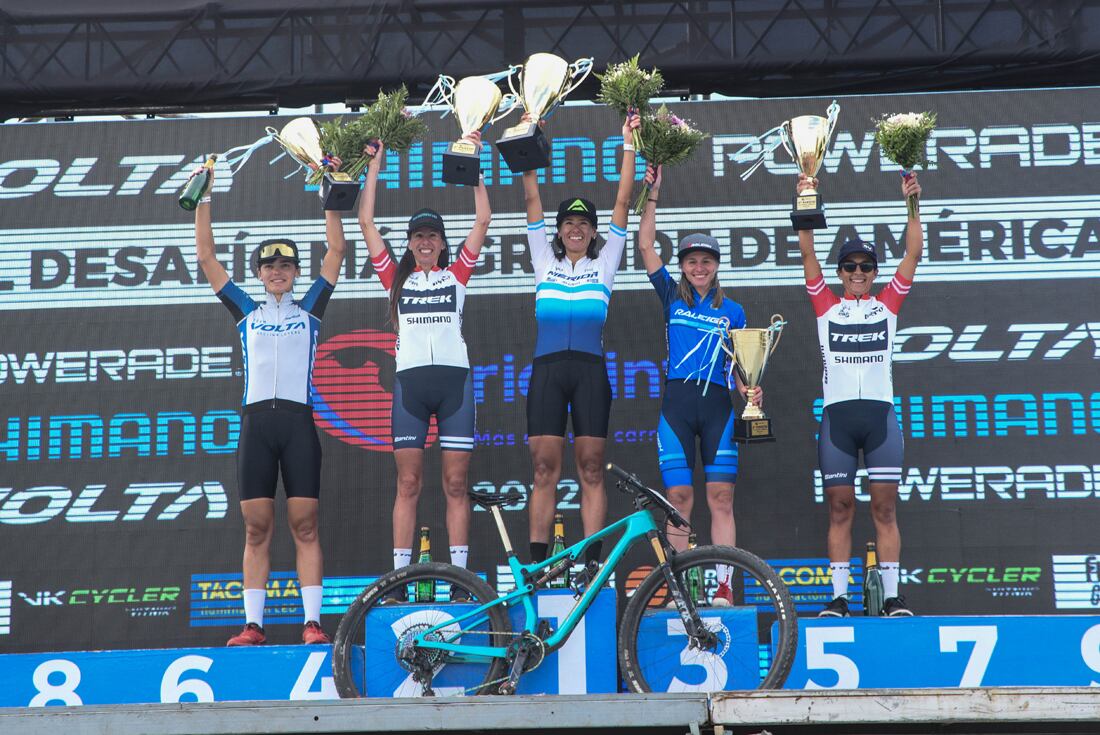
[{"x": 126, "y": 55}]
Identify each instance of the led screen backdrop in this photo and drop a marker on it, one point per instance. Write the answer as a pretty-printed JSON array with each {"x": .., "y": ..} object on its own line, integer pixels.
[{"x": 120, "y": 371}]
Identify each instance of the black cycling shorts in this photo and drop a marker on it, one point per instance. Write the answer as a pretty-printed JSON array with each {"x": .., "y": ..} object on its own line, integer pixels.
[
  {"x": 850, "y": 426},
  {"x": 569, "y": 383},
  {"x": 447, "y": 392},
  {"x": 277, "y": 439}
]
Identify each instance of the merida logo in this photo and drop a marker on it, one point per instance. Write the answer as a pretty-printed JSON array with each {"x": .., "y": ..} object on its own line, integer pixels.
[{"x": 577, "y": 206}]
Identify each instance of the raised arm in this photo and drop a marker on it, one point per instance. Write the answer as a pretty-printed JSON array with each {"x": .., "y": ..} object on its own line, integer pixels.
[
  {"x": 626, "y": 173},
  {"x": 204, "y": 242},
  {"x": 647, "y": 228},
  {"x": 531, "y": 197},
  {"x": 810, "y": 267},
  {"x": 914, "y": 231},
  {"x": 376, "y": 246},
  {"x": 483, "y": 213},
  {"x": 337, "y": 246}
]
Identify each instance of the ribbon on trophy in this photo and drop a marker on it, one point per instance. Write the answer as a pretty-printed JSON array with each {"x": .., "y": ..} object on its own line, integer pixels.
[
  {"x": 788, "y": 134},
  {"x": 712, "y": 341}
]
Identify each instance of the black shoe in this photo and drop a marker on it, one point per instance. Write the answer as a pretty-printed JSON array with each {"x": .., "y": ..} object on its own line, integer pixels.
[
  {"x": 895, "y": 607},
  {"x": 838, "y": 608},
  {"x": 396, "y": 596}
]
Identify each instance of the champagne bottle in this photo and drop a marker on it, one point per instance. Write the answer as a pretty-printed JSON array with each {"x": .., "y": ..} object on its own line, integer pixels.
[
  {"x": 872, "y": 583},
  {"x": 196, "y": 185},
  {"x": 695, "y": 587},
  {"x": 425, "y": 588},
  {"x": 561, "y": 581}
]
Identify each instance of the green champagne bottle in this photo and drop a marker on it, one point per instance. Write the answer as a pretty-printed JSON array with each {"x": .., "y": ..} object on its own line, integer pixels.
[
  {"x": 425, "y": 588},
  {"x": 872, "y": 583},
  {"x": 196, "y": 185},
  {"x": 695, "y": 587},
  {"x": 562, "y": 581}
]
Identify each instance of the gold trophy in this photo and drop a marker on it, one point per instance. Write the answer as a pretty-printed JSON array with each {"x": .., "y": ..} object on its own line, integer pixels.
[
  {"x": 475, "y": 102},
  {"x": 806, "y": 138},
  {"x": 302, "y": 142},
  {"x": 750, "y": 349},
  {"x": 546, "y": 80}
]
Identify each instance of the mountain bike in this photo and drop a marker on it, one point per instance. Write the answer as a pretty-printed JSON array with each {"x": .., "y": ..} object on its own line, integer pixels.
[{"x": 672, "y": 634}]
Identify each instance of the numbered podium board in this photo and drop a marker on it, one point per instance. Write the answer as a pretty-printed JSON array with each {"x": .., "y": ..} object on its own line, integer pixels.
[{"x": 1025, "y": 650}]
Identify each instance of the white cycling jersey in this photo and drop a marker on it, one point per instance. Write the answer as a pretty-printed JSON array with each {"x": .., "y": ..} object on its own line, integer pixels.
[
  {"x": 430, "y": 312},
  {"x": 857, "y": 340},
  {"x": 278, "y": 341}
]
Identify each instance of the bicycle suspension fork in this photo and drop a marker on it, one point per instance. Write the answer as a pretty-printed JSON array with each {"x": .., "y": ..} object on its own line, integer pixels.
[{"x": 692, "y": 624}]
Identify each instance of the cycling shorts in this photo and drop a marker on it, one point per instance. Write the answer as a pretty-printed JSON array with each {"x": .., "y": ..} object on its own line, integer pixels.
[
  {"x": 274, "y": 438},
  {"x": 569, "y": 383},
  {"x": 443, "y": 390},
  {"x": 687, "y": 415},
  {"x": 850, "y": 426}
]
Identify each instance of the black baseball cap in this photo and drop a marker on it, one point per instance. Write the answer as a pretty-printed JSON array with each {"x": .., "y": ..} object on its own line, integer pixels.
[
  {"x": 279, "y": 247},
  {"x": 855, "y": 245},
  {"x": 697, "y": 242},
  {"x": 580, "y": 207},
  {"x": 427, "y": 218}
]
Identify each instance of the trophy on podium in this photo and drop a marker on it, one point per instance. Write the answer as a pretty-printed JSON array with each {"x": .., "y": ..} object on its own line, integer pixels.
[
  {"x": 545, "y": 81},
  {"x": 475, "y": 102},
  {"x": 301, "y": 139},
  {"x": 749, "y": 350}
]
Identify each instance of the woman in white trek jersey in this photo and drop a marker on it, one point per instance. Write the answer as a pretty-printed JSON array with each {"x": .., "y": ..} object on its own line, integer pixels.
[
  {"x": 573, "y": 281},
  {"x": 278, "y": 340},
  {"x": 857, "y": 338},
  {"x": 427, "y": 294}
]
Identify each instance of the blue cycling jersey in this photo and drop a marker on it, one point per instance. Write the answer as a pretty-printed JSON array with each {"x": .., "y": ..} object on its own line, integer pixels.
[
  {"x": 695, "y": 333},
  {"x": 571, "y": 298}
]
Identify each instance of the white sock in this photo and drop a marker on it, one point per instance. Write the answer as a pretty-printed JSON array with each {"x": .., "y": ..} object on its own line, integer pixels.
[
  {"x": 402, "y": 558},
  {"x": 839, "y": 570},
  {"x": 459, "y": 554},
  {"x": 311, "y": 602},
  {"x": 725, "y": 573},
  {"x": 890, "y": 572},
  {"x": 254, "y": 606}
]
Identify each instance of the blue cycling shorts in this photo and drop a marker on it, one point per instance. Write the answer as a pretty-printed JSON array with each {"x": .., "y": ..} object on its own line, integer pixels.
[{"x": 688, "y": 416}]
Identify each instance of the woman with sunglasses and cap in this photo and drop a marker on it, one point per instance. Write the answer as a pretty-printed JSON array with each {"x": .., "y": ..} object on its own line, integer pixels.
[
  {"x": 427, "y": 293},
  {"x": 279, "y": 336},
  {"x": 696, "y": 405},
  {"x": 856, "y": 333},
  {"x": 574, "y": 276}
]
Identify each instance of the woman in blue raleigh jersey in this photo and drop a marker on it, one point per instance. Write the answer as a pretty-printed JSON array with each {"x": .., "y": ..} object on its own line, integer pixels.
[
  {"x": 427, "y": 295},
  {"x": 574, "y": 276},
  {"x": 278, "y": 338},
  {"x": 696, "y": 404},
  {"x": 856, "y": 333}
]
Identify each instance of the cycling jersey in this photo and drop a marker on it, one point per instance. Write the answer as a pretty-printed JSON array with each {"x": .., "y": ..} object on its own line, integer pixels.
[
  {"x": 429, "y": 312},
  {"x": 278, "y": 341},
  {"x": 571, "y": 298},
  {"x": 857, "y": 340},
  {"x": 695, "y": 333}
]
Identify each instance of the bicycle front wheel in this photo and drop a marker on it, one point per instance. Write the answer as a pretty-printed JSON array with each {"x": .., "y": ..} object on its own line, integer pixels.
[
  {"x": 385, "y": 616},
  {"x": 750, "y": 622}
]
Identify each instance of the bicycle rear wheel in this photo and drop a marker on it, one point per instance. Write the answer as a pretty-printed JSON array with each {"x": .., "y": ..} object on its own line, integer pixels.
[
  {"x": 381, "y": 619},
  {"x": 750, "y": 645}
]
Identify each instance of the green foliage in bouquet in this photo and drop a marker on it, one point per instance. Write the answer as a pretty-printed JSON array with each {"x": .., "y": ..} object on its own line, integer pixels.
[
  {"x": 903, "y": 139},
  {"x": 668, "y": 140},
  {"x": 626, "y": 87},
  {"x": 387, "y": 119}
]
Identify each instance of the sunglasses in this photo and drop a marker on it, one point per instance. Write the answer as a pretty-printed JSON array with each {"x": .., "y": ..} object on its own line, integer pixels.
[
  {"x": 864, "y": 267},
  {"x": 275, "y": 249}
]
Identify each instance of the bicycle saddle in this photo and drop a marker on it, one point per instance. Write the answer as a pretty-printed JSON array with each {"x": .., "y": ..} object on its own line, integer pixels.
[{"x": 488, "y": 500}]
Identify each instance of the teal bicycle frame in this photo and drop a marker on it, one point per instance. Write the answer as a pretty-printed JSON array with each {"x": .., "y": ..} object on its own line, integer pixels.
[{"x": 634, "y": 527}]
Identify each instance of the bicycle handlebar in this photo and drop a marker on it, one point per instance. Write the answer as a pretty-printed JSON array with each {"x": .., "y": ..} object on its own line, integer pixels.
[{"x": 652, "y": 495}]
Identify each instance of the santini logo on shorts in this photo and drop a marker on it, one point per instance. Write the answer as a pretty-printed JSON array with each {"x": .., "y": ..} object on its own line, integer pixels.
[
  {"x": 420, "y": 302},
  {"x": 857, "y": 337}
]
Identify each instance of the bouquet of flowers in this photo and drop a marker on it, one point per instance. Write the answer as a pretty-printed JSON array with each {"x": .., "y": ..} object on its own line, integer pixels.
[
  {"x": 627, "y": 88},
  {"x": 668, "y": 139},
  {"x": 903, "y": 138},
  {"x": 387, "y": 119}
]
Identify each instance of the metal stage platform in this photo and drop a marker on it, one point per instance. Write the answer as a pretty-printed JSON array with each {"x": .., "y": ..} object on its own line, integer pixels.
[{"x": 1047, "y": 710}]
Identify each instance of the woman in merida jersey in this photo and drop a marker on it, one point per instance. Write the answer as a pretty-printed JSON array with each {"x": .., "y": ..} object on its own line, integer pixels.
[
  {"x": 696, "y": 405},
  {"x": 856, "y": 333},
  {"x": 278, "y": 339},
  {"x": 573, "y": 280},
  {"x": 427, "y": 293}
]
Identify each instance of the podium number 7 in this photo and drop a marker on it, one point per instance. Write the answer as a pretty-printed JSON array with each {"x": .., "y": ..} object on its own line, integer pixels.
[{"x": 984, "y": 638}]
